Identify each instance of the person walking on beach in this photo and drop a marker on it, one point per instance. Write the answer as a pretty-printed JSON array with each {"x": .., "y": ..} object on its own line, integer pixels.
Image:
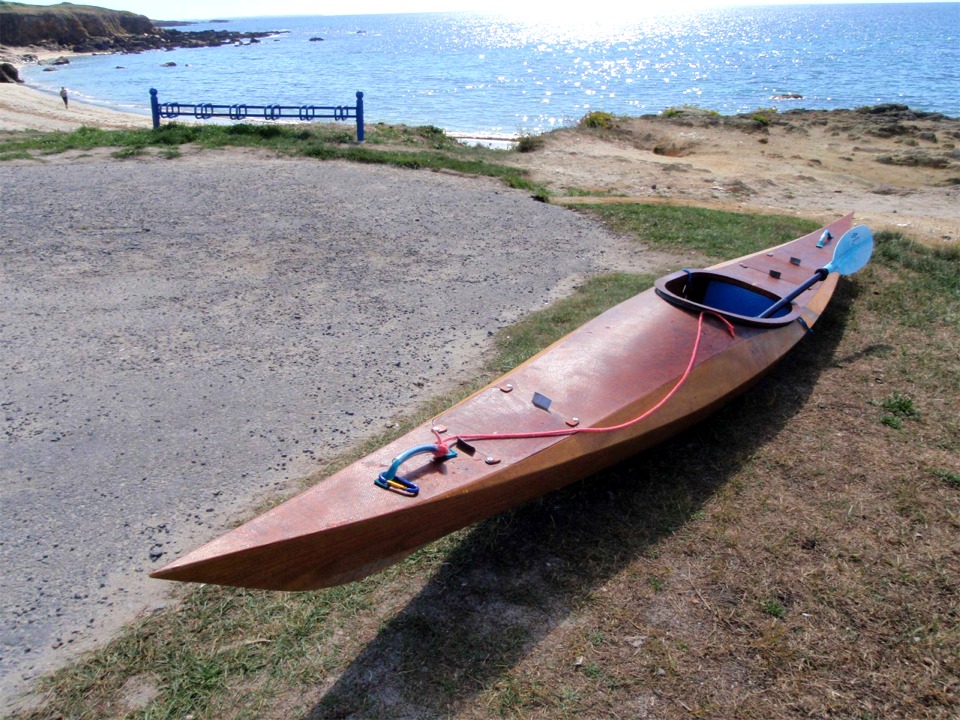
[{"x": 63, "y": 94}]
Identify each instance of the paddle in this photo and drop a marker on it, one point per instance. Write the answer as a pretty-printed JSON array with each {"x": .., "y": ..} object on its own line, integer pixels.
[{"x": 851, "y": 253}]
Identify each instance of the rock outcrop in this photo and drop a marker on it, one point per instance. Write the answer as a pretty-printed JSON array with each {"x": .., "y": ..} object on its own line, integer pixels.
[
  {"x": 9, "y": 73},
  {"x": 84, "y": 28},
  {"x": 65, "y": 24}
]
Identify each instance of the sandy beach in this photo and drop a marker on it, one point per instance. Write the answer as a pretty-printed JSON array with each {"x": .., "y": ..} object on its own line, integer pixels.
[
  {"x": 25, "y": 108},
  {"x": 191, "y": 330}
]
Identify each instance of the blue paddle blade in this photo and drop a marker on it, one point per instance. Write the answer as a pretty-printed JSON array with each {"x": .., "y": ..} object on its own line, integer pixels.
[{"x": 852, "y": 251}]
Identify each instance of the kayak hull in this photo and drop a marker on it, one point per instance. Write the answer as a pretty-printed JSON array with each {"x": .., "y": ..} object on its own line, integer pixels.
[{"x": 610, "y": 371}]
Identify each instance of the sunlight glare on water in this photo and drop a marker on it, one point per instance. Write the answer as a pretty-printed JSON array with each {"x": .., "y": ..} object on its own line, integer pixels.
[{"x": 532, "y": 71}]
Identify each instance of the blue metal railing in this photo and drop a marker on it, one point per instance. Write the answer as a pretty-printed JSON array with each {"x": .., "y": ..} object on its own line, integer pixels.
[{"x": 304, "y": 113}]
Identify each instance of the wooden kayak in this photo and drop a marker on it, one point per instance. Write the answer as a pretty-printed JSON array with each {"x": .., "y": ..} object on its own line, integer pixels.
[{"x": 635, "y": 375}]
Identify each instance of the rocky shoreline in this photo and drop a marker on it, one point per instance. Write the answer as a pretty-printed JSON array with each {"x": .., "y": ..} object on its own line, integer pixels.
[
  {"x": 81, "y": 29},
  {"x": 168, "y": 39},
  {"x": 158, "y": 39}
]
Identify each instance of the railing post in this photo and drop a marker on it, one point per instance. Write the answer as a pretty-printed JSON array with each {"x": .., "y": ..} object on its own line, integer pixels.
[
  {"x": 359, "y": 116},
  {"x": 155, "y": 108}
]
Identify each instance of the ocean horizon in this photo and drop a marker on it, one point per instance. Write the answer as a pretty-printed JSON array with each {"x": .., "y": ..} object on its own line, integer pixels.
[{"x": 494, "y": 76}]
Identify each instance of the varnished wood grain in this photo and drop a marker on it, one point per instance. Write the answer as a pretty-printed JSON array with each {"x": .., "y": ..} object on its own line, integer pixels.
[{"x": 609, "y": 371}]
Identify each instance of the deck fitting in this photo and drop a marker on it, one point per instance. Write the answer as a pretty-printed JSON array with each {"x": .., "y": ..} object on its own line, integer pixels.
[{"x": 542, "y": 401}]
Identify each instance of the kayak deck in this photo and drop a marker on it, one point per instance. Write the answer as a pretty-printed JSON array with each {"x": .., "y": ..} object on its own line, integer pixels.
[{"x": 610, "y": 371}]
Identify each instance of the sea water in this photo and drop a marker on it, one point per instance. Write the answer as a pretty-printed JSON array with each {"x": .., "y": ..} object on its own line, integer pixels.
[{"x": 498, "y": 76}]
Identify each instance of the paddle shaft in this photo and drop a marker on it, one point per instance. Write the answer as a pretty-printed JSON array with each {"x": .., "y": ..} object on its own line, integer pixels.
[{"x": 786, "y": 300}]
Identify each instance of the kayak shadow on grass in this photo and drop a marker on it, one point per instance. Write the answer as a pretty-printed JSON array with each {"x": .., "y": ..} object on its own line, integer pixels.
[{"x": 517, "y": 576}]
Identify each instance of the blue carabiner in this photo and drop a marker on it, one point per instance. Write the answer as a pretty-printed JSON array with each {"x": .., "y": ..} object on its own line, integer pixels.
[{"x": 389, "y": 480}]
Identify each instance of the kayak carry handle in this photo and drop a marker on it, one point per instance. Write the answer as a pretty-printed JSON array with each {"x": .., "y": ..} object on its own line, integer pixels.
[{"x": 389, "y": 480}]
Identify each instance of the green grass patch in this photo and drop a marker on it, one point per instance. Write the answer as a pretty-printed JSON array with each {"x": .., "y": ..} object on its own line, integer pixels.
[
  {"x": 15, "y": 155},
  {"x": 424, "y": 147},
  {"x": 773, "y": 608},
  {"x": 681, "y": 110},
  {"x": 587, "y": 192},
  {"x": 949, "y": 477},
  {"x": 926, "y": 286},
  {"x": 129, "y": 152},
  {"x": 714, "y": 233},
  {"x": 761, "y": 118},
  {"x": 598, "y": 120},
  {"x": 530, "y": 143},
  {"x": 900, "y": 405},
  {"x": 892, "y": 421}
]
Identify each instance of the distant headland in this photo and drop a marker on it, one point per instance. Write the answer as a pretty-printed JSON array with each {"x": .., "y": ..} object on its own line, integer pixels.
[{"x": 85, "y": 28}]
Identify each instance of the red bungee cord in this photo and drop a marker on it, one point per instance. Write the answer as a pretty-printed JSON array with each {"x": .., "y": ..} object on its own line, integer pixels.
[{"x": 443, "y": 444}]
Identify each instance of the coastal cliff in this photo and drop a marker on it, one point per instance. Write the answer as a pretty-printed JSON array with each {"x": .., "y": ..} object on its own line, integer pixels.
[
  {"x": 66, "y": 24},
  {"x": 84, "y": 28}
]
